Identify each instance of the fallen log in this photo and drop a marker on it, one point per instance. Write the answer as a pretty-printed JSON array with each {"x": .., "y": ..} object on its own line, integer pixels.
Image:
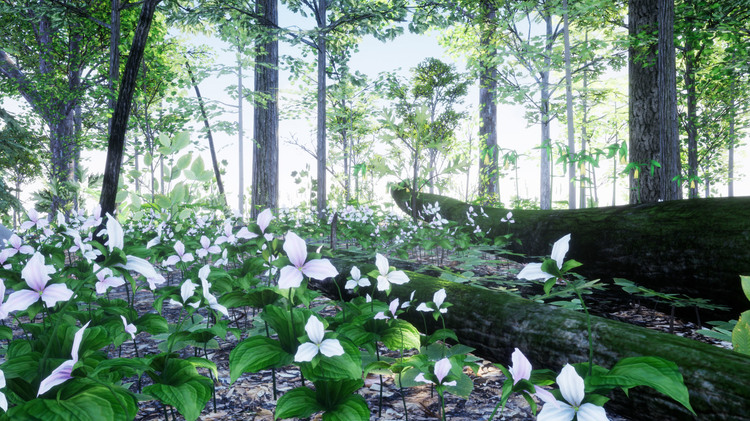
[
  {"x": 495, "y": 323},
  {"x": 696, "y": 247}
]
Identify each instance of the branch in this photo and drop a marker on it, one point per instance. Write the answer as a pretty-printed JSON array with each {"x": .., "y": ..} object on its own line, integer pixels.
[{"x": 81, "y": 12}]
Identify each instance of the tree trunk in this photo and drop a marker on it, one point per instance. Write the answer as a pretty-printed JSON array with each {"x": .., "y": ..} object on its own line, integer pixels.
[
  {"x": 211, "y": 148},
  {"x": 690, "y": 124},
  {"x": 114, "y": 58},
  {"x": 122, "y": 110},
  {"x": 240, "y": 135},
  {"x": 695, "y": 247},
  {"x": 569, "y": 110},
  {"x": 321, "y": 135},
  {"x": 545, "y": 189},
  {"x": 494, "y": 323},
  {"x": 488, "y": 151},
  {"x": 584, "y": 134},
  {"x": 266, "y": 130},
  {"x": 643, "y": 105},
  {"x": 669, "y": 139}
]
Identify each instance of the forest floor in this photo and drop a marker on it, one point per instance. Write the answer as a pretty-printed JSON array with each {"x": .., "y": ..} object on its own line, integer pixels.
[{"x": 251, "y": 396}]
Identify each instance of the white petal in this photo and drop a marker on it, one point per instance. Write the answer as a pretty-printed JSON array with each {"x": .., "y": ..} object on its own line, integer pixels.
[
  {"x": 295, "y": 248},
  {"x": 331, "y": 348},
  {"x": 442, "y": 368},
  {"x": 319, "y": 269},
  {"x": 398, "y": 277},
  {"x": 571, "y": 385},
  {"x": 438, "y": 297},
  {"x": 423, "y": 307},
  {"x": 420, "y": 378},
  {"x": 77, "y": 338},
  {"x": 306, "y": 352},
  {"x": 450, "y": 383},
  {"x": 560, "y": 249},
  {"x": 187, "y": 290},
  {"x": 521, "y": 368},
  {"x": 364, "y": 282},
  {"x": 350, "y": 284},
  {"x": 315, "y": 330},
  {"x": 355, "y": 273},
  {"x": 533, "y": 271},
  {"x": 114, "y": 233},
  {"x": 20, "y": 300},
  {"x": 264, "y": 218},
  {"x": 56, "y": 292},
  {"x": 382, "y": 263},
  {"x": 290, "y": 277},
  {"x": 563, "y": 412},
  {"x": 380, "y": 316},
  {"x": 58, "y": 376},
  {"x": 591, "y": 412},
  {"x": 383, "y": 283}
]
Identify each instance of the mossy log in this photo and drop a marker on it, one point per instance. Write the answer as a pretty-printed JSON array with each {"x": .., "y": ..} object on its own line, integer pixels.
[
  {"x": 495, "y": 323},
  {"x": 696, "y": 247}
]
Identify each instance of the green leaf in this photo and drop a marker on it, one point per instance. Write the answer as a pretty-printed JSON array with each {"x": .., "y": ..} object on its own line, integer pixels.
[
  {"x": 568, "y": 265},
  {"x": 741, "y": 334},
  {"x": 6, "y": 333},
  {"x": 198, "y": 167},
  {"x": 181, "y": 386},
  {"x": 346, "y": 366},
  {"x": 184, "y": 161},
  {"x": 401, "y": 335},
  {"x": 152, "y": 323},
  {"x": 353, "y": 408},
  {"x": 180, "y": 141},
  {"x": 745, "y": 280},
  {"x": 655, "y": 372},
  {"x": 254, "y": 354},
  {"x": 299, "y": 402}
]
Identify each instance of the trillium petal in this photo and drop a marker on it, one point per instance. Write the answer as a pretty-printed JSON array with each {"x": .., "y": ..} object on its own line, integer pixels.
[
  {"x": 264, "y": 218},
  {"x": 591, "y": 412},
  {"x": 533, "y": 271},
  {"x": 355, "y": 273},
  {"x": 442, "y": 368},
  {"x": 172, "y": 260},
  {"x": 571, "y": 385},
  {"x": 179, "y": 247},
  {"x": 450, "y": 383},
  {"x": 398, "y": 277},
  {"x": 319, "y": 269},
  {"x": 115, "y": 236},
  {"x": 56, "y": 292},
  {"x": 380, "y": 316},
  {"x": 439, "y": 297},
  {"x": 58, "y": 376},
  {"x": 546, "y": 396},
  {"x": 421, "y": 378},
  {"x": 521, "y": 368},
  {"x": 315, "y": 330},
  {"x": 187, "y": 290},
  {"x": 245, "y": 234},
  {"x": 77, "y": 338},
  {"x": 560, "y": 249},
  {"x": 204, "y": 272},
  {"x": 382, "y": 263},
  {"x": 393, "y": 307},
  {"x": 290, "y": 277},
  {"x": 364, "y": 282},
  {"x": 187, "y": 257},
  {"x": 36, "y": 273},
  {"x": 562, "y": 412},
  {"x": 20, "y": 300},
  {"x": 295, "y": 248},
  {"x": 383, "y": 283},
  {"x": 331, "y": 348},
  {"x": 423, "y": 307},
  {"x": 350, "y": 284},
  {"x": 306, "y": 352}
]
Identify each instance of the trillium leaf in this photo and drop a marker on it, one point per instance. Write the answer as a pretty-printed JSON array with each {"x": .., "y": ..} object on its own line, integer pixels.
[
  {"x": 299, "y": 402},
  {"x": 352, "y": 409},
  {"x": 254, "y": 354},
  {"x": 346, "y": 366},
  {"x": 745, "y": 280},
  {"x": 181, "y": 386},
  {"x": 741, "y": 334},
  {"x": 401, "y": 335}
]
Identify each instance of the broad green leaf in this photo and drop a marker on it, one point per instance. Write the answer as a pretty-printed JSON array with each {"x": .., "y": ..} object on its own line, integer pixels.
[
  {"x": 299, "y": 402},
  {"x": 164, "y": 140},
  {"x": 178, "y": 194},
  {"x": 401, "y": 335},
  {"x": 741, "y": 334},
  {"x": 655, "y": 372},
  {"x": 353, "y": 408},
  {"x": 6, "y": 333},
  {"x": 127, "y": 367},
  {"x": 254, "y": 354},
  {"x": 287, "y": 330},
  {"x": 152, "y": 323},
  {"x": 745, "y": 280},
  {"x": 198, "y": 167},
  {"x": 346, "y": 366},
  {"x": 181, "y": 386},
  {"x": 464, "y": 386},
  {"x": 180, "y": 141},
  {"x": 184, "y": 161}
]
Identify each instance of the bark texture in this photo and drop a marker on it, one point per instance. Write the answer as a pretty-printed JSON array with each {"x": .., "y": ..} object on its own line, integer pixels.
[
  {"x": 266, "y": 129},
  {"x": 696, "y": 247},
  {"x": 488, "y": 156},
  {"x": 495, "y": 323}
]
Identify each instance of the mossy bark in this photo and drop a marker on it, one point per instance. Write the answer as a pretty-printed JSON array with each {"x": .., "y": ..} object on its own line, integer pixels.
[
  {"x": 495, "y": 323},
  {"x": 697, "y": 247}
]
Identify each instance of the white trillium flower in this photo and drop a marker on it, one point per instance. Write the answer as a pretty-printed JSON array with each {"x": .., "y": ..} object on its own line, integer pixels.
[
  {"x": 36, "y": 274},
  {"x": 533, "y": 271},
  {"x": 356, "y": 280},
  {"x": 572, "y": 390},
  {"x": 3, "y": 400},
  {"x": 145, "y": 268},
  {"x": 386, "y": 278},
  {"x": 521, "y": 370},
  {"x": 115, "y": 236},
  {"x": 65, "y": 370},
  {"x": 106, "y": 279},
  {"x": 129, "y": 327},
  {"x": 207, "y": 248},
  {"x": 181, "y": 256},
  {"x": 392, "y": 308},
  {"x": 296, "y": 250},
  {"x": 210, "y": 298},
  {"x": 316, "y": 333},
  {"x": 441, "y": 370}
]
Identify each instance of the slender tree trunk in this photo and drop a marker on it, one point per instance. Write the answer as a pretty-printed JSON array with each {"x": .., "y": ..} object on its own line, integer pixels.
[
  {"x": 584, "y": 134},
  {"x": 241, "y": 134},
  {"x": 669, "y": 139},
  {"x": 122, "y": 110},
  {"x": 732, "y": 139},
  {"x": 569, "y": 110},
  {"x": 644, "y": 144},
  {"x": 690, "y": 124},
  {"x": 321, "y": 135},
  {"x": 211, "y": 148},
  {"x": 114, "y": 58},
  {"x": 266, "y": 130},
  {"x": 488, "y": 152},
  {"x": 545, "y": 191}
]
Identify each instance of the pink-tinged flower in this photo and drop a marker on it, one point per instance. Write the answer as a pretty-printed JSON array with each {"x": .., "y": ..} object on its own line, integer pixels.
[
  {"x": 181, "y": 255},
  {"x": 15, "y": 245},
  {"x": 210, "y": 298},
  {"x": 115, "y": 236},
  {"x": 65, "y": 370},
  {"x": 508, "y": 218},
  {"x": 34, "y": 220},
  {"x": 245, "y": 234},
  {"x": 84, "y": 247},
  {"x": 228, "y": 236},
  {"x": 316, "y": 333},
  {"x": 438, "y": 298},
  {"x": 533, "y": 271},
  {"x": 407, "y": 303},
  {"x": 264, "y": 219},
  {"x": 4, "y": 255},
  {"x": 521, "y": 370},
  {"x": 187, "y": 290},
  {"x": 572, "y": 390},
  {"x": 207, "y": 248},
  {"x": 296, "y": 250},
  {"x": 223, "y": 261},
  {"x": 386, "y": 278},
  {"x": 36, "y": 274},
  {"x": 392, "y": 308},
  {"x": 129, "y": 327},
  {"x": 95, "y": 219},
  {"x": 3, "y": 310},
  {"x": 441, "y": 370},
  {"x": 357, "y": 280},
  {"x": 145, "y": 268},
  {"x": 3, "y": 400},
  {"x": 106, "y": 279}
]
